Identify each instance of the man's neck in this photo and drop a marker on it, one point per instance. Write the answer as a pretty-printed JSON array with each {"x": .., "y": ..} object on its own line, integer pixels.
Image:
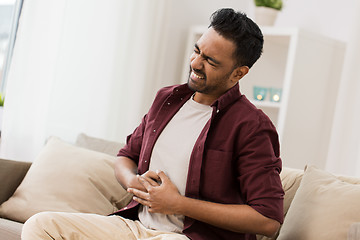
[{"x": 204, "y": 98}]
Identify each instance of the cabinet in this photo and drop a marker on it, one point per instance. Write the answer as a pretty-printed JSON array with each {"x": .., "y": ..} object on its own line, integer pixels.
[{"x": 307, "y": 68}]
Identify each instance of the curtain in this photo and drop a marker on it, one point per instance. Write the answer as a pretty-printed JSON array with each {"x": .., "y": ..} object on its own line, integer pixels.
[
  {"x": 81, "y": 66},
  {"x": 344, "y": 153}
]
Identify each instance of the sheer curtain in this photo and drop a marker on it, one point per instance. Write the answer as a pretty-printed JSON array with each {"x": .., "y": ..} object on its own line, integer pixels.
[
  {"x": 81, "y": 66},
  {"x": 344, "y": 153}
]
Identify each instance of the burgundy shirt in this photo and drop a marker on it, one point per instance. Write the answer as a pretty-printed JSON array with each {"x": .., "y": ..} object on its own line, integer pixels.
[{"x": 235, "y": 160}]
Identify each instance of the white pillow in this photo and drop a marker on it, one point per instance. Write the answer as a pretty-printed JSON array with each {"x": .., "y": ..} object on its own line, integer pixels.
[
  {"x": 324, "y": 207},
  {"x": 67, "y": 178}
]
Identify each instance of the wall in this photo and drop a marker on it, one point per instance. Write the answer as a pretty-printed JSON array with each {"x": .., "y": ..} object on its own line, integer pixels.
[{"x": 328, "y": 17}]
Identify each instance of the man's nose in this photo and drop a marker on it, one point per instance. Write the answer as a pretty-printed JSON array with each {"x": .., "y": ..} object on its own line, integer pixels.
[{"x": 196, "y": 61}]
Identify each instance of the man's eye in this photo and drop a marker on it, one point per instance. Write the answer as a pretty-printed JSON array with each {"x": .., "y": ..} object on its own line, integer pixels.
[
  {"x": 196, "y": 51},
  {"x": 211, "y": 63}
]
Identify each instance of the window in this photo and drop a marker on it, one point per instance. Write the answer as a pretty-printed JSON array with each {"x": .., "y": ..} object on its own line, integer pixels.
[{"x": 9, "y": 15}]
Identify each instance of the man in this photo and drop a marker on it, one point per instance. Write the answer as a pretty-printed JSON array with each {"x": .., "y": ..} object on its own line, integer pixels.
[{"x": 204, "y": 162}]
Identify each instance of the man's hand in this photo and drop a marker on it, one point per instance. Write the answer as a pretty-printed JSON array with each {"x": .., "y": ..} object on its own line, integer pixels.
[
  {"x": 126, "y": 174},
  {"x": 150, "y": 176},
  {"x": 160, "y": 198}
]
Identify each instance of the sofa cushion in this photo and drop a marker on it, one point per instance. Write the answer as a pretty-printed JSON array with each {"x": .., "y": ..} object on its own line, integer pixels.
[
  {"x": 11, "y": 175},
  {"x": 10, "y": 230},
  {"x": 98, "y": 144},
  {"x": 324, "y": 207},
  {"x": 290, "y": 179},
  {"x": 67, "y": 178}
]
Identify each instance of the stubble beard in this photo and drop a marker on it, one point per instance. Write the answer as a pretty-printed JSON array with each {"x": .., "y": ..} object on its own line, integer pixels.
[
  {"x": 195, "y": 88},
  {"x": 204, "y": 88}
]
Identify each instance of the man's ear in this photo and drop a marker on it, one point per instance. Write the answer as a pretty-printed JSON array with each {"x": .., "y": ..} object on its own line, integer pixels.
[{"x": 239, "y": 73}]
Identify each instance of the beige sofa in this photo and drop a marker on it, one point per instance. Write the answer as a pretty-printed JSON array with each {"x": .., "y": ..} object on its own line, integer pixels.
[{"x": 79, "y": 178}]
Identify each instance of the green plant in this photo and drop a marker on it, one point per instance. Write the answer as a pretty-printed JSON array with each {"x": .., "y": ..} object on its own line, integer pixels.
[
  {"x": 2, "y": 98},
  {"x": 275, "y": 4}
]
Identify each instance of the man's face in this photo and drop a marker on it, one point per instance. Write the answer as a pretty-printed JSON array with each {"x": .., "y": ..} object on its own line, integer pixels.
[{"x": 212, "y": 65}]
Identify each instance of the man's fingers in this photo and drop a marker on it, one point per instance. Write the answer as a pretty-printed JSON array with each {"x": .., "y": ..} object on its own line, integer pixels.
[
  {"x": 162, "y": 176},
  {"x": 140, "y": 196},
  {"x": 138, "y": 193},
  {"x": 151, "y": 181},
  {"x": 152, "y": 178},
  {"x": 141, "y": 201},
  {"x": 152, "y": 175},
  {"x": 144, "y": 181}
]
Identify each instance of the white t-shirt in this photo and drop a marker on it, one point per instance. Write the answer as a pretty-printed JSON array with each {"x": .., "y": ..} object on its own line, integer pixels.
[{"x": 171, "y": 154}]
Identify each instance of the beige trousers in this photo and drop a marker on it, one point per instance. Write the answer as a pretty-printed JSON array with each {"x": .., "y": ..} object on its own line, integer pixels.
[{"x": 76, "y": 226}]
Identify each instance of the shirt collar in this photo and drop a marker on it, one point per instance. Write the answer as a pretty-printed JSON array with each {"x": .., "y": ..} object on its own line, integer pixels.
[
  {"x": 222, "y": 102},
  {"x": 183, "y": 89},
  {"x": 227, "y": 98}
]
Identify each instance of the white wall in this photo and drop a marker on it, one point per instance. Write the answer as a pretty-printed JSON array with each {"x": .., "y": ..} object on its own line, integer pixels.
[{"x": 328, "y": 17}]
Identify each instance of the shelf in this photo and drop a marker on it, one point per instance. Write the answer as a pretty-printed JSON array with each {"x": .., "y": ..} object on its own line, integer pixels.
[{"x": 267, "y": 104}]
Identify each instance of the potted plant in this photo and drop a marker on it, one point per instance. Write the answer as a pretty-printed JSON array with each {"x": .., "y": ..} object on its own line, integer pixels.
[
  {"x": 266, "y": 11},
  {"x": 1, "y": 100},
  {"x": 1, "y": 109}
]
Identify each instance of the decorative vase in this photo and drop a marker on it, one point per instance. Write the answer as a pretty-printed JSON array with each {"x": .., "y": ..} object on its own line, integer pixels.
[{"x": 265, "y": 16}]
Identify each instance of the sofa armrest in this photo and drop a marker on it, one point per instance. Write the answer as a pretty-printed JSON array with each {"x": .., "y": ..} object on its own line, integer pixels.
[
  {"x": 11, "y": 175},
  {"x": 354, "y": 231}
]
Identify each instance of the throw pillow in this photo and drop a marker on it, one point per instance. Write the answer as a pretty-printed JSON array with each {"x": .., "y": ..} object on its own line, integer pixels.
[
  {"x": 291, "y": 179},
  {"x": 67, "y": 178},
  {"x": 98, "y": 144},
  {"x": 324, "y": 207}
]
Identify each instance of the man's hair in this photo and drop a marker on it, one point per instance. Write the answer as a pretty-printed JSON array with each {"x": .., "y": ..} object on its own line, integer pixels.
[{"x": 238, "y": 28}]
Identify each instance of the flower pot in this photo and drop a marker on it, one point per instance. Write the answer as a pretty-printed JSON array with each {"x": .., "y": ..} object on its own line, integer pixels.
[{"x": 265, "y": 16}]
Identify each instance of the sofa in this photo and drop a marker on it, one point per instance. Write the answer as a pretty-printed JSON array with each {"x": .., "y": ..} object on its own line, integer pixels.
[{"x": 79, "y": 178}]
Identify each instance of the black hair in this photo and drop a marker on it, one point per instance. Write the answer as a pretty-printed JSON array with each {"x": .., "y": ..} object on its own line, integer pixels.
[{"x": 237, "y": 27}]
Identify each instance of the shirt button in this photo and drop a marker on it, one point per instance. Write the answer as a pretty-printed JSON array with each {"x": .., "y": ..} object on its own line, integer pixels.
[
  {"x": 168, "y": 103},
  {"x": 145, "y": 161},
  {"x": 217, "y": 111},
  {"x": 125, "y": 208},
  {"x": 154, "y": 130}
]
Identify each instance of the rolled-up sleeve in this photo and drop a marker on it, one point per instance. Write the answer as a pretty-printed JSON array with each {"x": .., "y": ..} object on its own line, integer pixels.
[{"x": 259, "y": 166}]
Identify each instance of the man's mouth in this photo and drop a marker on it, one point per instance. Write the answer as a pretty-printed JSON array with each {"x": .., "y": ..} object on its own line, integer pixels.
[{"x": 196, "y": 76}]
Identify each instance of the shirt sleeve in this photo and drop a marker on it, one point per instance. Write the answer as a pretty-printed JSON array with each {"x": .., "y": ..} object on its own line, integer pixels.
[
  {"x": 259, "y": 166},
  {"x": 132, "y": 148}
]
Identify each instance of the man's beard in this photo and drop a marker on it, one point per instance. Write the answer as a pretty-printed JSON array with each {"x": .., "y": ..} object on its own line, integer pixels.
[
  {"x": 204, "y": 88},
  {"x": 189, "y": 79}
]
